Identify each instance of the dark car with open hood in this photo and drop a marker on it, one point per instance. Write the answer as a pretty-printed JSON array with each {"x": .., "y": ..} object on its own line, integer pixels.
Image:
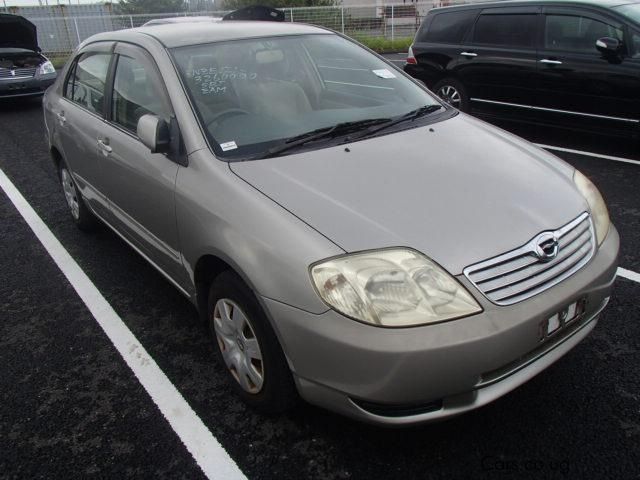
[{"x": 24, "y": 71}]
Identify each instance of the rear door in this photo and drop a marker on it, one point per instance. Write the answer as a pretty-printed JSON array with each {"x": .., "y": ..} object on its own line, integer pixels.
[
  {"x": 578, "y": 82},
  {"x": 79, "y": 116},
  {"x": 438, "y": 44},
  {"x": 140, "y": 185},
  {"x": 498, "y": 60}
]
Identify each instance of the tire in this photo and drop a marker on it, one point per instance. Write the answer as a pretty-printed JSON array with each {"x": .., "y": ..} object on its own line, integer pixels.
[
  {"x": 82, "y": 216},
  {"x": 453, "y": 92},
  {"x": 241, "y": 330}
]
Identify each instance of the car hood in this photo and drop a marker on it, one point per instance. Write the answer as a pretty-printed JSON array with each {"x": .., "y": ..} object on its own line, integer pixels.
[
  {"x": 17, "y": 32},
  {"x": 459, "y": 191}
]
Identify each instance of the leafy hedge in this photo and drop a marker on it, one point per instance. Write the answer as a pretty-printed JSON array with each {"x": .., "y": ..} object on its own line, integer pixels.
[{"x": 384, "y": 45}]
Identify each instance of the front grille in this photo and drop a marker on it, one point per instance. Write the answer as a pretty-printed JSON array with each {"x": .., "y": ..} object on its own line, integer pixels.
[
  {"x": 5, "y": 73},
  {"x": 519, "y": 274}
]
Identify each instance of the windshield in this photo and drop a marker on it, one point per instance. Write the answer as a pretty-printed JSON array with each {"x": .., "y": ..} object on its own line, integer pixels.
[
  {"x": 254, "y": 94},
  {"x": 631, "y": 10}
]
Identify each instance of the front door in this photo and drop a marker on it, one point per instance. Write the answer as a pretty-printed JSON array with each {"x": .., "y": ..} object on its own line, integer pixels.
[
  {"x": 140, "y": 185},
  {"x": 580, "y": 84}
]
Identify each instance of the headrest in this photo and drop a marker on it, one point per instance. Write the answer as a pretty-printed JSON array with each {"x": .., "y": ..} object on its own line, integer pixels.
[{"x": 266, "y": 57}]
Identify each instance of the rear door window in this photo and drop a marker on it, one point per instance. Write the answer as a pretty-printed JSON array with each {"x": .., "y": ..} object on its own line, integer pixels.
[
  {"x": 86, "y": 83},
  {"x": 448, "y": 27},
  {"x": 576, "y": 33},
  {"x": 506, "y": 30}
]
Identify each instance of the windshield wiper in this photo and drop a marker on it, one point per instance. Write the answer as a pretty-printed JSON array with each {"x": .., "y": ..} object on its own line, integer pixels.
[
  {"x": 321, "y": 133},
  {"x": 412, "y": 115}
]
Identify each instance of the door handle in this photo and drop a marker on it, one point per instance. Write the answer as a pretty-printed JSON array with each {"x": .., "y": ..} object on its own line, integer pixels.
[
  {"x": 468, "y": 54},
  {"x": 548, "y": 61},
  {"x": 103, "y": 143},
  {"x": 61, "y": 118}
]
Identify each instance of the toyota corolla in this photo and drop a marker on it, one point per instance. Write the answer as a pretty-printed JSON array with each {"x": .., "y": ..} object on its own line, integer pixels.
[{"x": 348, "y": 237}]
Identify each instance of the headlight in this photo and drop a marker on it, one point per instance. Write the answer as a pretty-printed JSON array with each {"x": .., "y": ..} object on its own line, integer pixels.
[
  {"x": 45, "y": 68},
  {"x": 598, "y": 208},
  {"x": 392, "y": 288}
]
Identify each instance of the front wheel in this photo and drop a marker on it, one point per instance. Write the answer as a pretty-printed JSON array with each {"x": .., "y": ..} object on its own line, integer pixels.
[
  {"x": 452, "y": 92},
  {"x": 248, "y": 347}
]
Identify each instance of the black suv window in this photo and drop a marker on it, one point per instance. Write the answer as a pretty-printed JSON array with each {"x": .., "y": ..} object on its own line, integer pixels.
[
  {"x": 448, "y": 27},
  {"x": 86, "y": 83},
  {"x": 576, "y": 33},
  {"x": 635, "y": 42},
  {"x": 137, "y": 90},
  {"x": 506, "y": 30}
]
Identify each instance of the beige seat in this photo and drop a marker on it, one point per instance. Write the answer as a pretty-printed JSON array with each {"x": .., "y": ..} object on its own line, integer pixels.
[{"x": 270, "y": 93}]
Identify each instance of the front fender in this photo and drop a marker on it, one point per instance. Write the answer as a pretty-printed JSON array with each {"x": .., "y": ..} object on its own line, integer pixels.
[{"x": 220, "y": 214}]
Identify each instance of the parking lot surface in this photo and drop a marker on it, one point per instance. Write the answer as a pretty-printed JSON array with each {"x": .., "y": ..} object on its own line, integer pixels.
[{"x": 70, "y": 407}]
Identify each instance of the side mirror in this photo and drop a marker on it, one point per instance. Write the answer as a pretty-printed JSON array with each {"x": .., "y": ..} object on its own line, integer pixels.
[
  {"x": 608, "y": 45},
  {"x": 154, "y": 133}
]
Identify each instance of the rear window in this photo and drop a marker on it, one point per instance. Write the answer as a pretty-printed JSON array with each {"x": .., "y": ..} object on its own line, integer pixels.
[
  {"x": 449, "y": 27},
  {"x": 506, "y": 30}
]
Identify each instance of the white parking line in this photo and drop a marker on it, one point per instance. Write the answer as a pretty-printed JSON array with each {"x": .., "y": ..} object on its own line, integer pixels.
[
  {"x": 205, "y": 449},
  {"x": 588, "y": 154},
  {"x": 628, "y": 274}
]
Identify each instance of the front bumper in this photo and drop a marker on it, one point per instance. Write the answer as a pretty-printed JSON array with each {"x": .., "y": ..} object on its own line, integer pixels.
[
  {"x": 414, "y": 375},
  {"x": 26, "y": 87}
]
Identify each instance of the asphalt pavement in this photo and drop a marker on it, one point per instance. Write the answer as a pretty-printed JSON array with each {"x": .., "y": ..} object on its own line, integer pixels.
[{"x": 71, "y": 408}]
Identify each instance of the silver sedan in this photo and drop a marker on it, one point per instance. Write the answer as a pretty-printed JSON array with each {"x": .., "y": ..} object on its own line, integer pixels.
[{"x": 348, "y": 237}]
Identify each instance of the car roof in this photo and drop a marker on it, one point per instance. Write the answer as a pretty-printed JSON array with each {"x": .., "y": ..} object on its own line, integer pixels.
[
  {"x": 173, "y": 35},
  {"x": 606, "y": 4}
]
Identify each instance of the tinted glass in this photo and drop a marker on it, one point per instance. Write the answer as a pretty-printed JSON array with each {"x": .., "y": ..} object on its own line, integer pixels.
[
  {"x": 631, "y": 11},
  {"x": 253, "y": 94},
  {"x": 635, "y": 44},
  {"x": 86, "y": 84},
  {"x": 574, "y": 33},
  {"x": 136, "y": 92},
  {"x": 448, "y": 27},
  {"x": 506, "y": 30}
]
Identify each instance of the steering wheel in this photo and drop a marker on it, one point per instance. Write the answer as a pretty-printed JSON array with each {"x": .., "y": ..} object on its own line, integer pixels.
[{"x": 229, "y": 112}]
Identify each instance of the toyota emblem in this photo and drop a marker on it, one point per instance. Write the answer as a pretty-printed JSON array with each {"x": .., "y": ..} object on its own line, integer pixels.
[{"x": 546, "y": 247}]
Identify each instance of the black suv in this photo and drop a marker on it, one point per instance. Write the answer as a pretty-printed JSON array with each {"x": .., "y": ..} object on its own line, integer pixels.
[{"x": 575, "y": 63}]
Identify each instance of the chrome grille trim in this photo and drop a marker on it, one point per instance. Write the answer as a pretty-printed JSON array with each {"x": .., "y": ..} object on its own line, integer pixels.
[
  {"x": 5, "y": 73},
  {"x": 517, "y": 275}
]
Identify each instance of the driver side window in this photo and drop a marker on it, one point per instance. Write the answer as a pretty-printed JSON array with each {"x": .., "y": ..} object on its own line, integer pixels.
[
  {"x": 137, "y": 90},
  {"x": 575, "y": 33}
]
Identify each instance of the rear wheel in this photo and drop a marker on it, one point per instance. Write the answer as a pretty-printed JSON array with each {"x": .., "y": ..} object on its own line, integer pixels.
[
  {"x": 248, "y": 347},
  {"x": 81, "y": 215},
  {"x": 453, "y": 92}
]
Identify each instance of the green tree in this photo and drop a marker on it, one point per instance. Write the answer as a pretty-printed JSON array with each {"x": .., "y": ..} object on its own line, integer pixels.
[{"x": 132, "y": 7}]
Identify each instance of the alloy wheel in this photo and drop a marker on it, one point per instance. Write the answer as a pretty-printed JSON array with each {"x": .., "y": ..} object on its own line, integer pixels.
[{"x": 450, "y": 95}]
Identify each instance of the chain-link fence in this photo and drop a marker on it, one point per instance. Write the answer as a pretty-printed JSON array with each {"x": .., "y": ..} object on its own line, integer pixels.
[{"x": 62, "y": 27}]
